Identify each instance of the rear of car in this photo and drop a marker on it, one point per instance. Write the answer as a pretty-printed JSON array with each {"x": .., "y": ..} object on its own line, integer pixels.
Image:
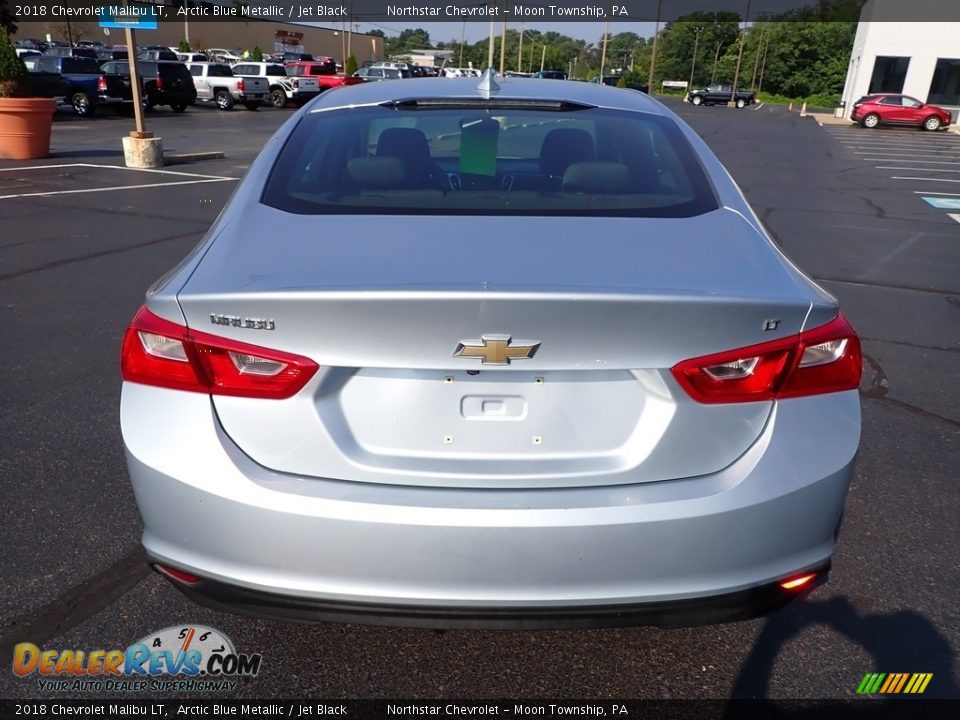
[
  {"x": 81, "y": 79},
  {"x": 324, "y": 70},
  {"x": 281, "y": 88},
  {"x": 541, "y": 366},
  {"x": 165, "y": 83}
]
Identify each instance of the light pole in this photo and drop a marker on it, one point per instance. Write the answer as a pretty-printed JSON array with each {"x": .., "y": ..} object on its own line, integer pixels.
[
  {"x": 520, "y": 51},
  {"x": 693, "y": 63},
  {"x": 349, "y": 36},
  {"x": 603, "y": 54},
  {"x": 463, "y": 37},
  {"x": 736, "y": 73},
  {"x": 503, "y": 44},
  {"x": 716, "y": 59},
  {"x": 653, "y": 55},
  {"x": 490, "y": 46},
  {"x": 756, "y": 63}
]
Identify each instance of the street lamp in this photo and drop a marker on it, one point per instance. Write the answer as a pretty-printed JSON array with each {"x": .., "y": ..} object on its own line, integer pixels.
[
  {"x": 736, "y": 73},
  {"x": 520, "y": 51},
  {"x": 693, "y": 63},
  {"x": 653, "y": 54}
]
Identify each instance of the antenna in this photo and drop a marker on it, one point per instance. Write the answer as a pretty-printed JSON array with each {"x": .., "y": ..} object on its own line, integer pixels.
[{"x": 488, "y": 84}]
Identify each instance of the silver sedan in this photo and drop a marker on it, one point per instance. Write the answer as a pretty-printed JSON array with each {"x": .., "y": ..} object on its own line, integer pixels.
[{"x": 504, "y": 354}]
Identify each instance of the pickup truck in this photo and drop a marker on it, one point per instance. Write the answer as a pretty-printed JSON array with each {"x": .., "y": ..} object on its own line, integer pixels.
[
  {"x": 217, "y": 83},
  {"x": 282, "y": 87},
  {"x": 84, "y": 85},
  {"x": 720, "y": 95},
  {"x": 324, "y": 69}
]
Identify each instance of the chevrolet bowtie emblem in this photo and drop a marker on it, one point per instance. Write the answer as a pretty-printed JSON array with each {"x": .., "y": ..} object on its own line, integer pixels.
[{"x": 496, "y": 349}]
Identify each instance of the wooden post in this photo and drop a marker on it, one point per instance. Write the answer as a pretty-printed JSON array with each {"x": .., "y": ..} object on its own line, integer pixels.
[{"x": 135, "y": 87}]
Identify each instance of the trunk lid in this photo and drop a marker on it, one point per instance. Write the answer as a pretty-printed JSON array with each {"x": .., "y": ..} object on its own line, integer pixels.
[{"x": 382, "y": 304}]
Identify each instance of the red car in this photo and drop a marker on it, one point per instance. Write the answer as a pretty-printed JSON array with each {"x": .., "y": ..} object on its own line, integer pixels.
[
  {"x": 873, "y": 110},
  {"x": 324, "y": 69}
]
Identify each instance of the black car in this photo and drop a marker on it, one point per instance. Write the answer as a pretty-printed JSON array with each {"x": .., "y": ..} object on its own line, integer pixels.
[
  {"x": 550, "y": 75},
  {"x": 291, "y": 57},
  {"x": 108, "y": 54},
  {"x": 614, "y": 81},
  {"x": 78, "y": 52},
  {"x": 164, "y": 82},
  {"x": 720, "y": 95}
]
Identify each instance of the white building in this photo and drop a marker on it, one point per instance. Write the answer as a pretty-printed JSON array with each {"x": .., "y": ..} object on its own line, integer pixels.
[
  {"x": 428, "y": 57},
  {"x": 920, "y": 59}
]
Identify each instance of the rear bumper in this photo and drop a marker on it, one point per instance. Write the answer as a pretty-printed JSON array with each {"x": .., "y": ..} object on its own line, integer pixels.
[
  {"x": 730, "y": 607},
  {"x": 703, "y": 549}
]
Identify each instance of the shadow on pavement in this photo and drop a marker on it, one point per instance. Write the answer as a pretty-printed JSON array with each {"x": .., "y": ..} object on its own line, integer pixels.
[{"x": 903, "y": 641}]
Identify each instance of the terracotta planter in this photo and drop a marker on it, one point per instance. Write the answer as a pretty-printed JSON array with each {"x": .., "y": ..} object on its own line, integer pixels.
[{"x": 25, "y": 127}]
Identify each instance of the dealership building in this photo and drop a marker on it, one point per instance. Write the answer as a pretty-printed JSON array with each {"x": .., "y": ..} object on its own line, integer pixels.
[{"x": 920, "y": 59}]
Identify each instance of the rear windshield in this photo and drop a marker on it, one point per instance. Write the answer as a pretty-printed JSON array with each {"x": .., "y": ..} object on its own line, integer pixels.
[
  {"x": 174, "y": 71},
  {"x": 491, "y": 160},
  {"x": 80, "y": 65}
]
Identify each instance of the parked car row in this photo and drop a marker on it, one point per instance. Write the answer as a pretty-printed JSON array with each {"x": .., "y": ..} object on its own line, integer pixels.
[{"x": 83, "y": 82}]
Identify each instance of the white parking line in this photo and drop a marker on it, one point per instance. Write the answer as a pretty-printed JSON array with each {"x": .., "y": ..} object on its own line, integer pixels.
[
  {"x": 897, "y": 146},
  {"x": 915, "y": 169},
  {"x": 912, "y": 154},
  {"x": 924, "y": 179},
  {"x": 117, "y": 167},
  {"x": 955, "y": 216},
  {"x": 117, "y": 187},
  {"x": 935, "y": 192},
  {"x": 198, "y": 179},
  {"x": 932, "y": 162}
]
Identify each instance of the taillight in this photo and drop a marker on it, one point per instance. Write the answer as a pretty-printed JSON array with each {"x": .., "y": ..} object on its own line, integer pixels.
[
  {"x": 240, "y": 85},
  {"x": 101, "y": 84},
  {"x": 178, "y": 575},
  {"x": 159, "y": 352},
  {"x": 798, "y": 582},
  {"x": 159, "y": 83},
  {"x": 822, "y": 360}
]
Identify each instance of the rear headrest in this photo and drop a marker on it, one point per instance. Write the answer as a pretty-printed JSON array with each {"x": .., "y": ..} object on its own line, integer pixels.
[
  {"x": 562, "y": 147},
  {"x": 377, "y": 173},
  {"x": 597, "y": 177}
]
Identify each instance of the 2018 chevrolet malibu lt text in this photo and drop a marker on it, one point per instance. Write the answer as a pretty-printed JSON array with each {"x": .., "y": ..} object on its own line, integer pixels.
[{"x": 490, "y": 355}]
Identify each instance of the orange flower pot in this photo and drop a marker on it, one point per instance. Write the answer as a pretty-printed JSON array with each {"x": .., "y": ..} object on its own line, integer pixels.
[{"x": 25, "y": 127}]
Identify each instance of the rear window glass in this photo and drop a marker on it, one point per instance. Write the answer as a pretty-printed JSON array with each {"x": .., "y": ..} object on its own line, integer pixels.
[
  {"x": 491, "y": 160},
  {"x": 80, "y": 65},
  {"x": 174, "y": 71}
]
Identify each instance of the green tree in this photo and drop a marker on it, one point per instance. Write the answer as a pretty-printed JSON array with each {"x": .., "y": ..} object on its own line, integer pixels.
[
  {"x": 13, "y": 73},
  {"x": 351, "y": 66},
  {"x": 257, "y": 54},
  {"x": 718, "y": 35},
  {"x": 407, "y": 40},
  {"x": 184, "y": 46},
  {"x": 6, "y": 18}
]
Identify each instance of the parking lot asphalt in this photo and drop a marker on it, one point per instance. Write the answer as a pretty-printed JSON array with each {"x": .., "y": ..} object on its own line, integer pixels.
[{"x": 79, "y": 244}]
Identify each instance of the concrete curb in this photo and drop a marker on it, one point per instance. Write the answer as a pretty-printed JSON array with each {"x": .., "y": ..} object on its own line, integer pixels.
[{"x": 829, "y": 119}]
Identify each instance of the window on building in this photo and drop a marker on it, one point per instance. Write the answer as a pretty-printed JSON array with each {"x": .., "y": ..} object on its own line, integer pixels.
[
  {"x": 945, "y": 87},
  {"x": 888, "y": 74}
]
